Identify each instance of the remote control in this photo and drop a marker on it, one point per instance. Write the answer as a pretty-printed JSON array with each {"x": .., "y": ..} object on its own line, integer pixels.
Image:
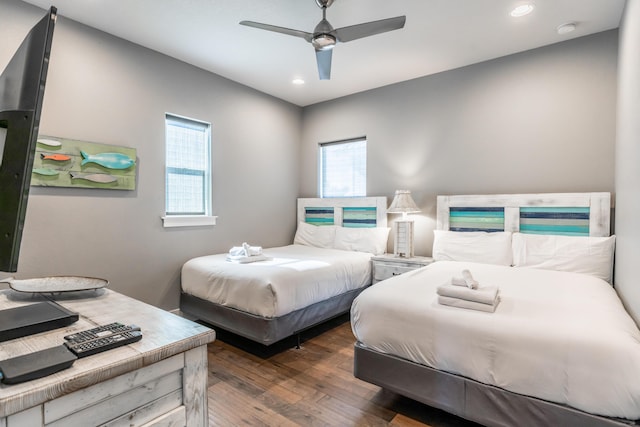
[
  {"x": 100, "y": 332},
  {"x": 98, "y": 345}
]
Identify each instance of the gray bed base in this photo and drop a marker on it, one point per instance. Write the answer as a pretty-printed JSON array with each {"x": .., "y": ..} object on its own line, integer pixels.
[
  {"x": 265, "y": 330},
  {"x": 466, "y": 398}
]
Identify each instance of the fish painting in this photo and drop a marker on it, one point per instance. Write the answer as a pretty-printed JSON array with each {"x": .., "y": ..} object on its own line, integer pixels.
[
  {"x": 55, "y": 157},
  {"x": 101, "y": 178},
  {"x": 108, "y": 160},
  {"x": 45, "y": 171}
]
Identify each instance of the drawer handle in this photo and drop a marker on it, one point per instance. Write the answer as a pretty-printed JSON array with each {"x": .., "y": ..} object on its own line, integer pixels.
[{"x": 396, "y": 274}]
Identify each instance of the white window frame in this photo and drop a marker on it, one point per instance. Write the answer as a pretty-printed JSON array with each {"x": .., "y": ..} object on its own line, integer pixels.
[
  {"x": 321, "y": 167},
  {"x": 190, "y": 219}
]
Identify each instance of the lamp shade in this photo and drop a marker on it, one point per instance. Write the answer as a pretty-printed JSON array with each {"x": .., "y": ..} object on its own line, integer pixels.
[{"x": 403, "y": 203}]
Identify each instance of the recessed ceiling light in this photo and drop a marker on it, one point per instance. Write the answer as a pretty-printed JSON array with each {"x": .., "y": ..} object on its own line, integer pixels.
[
  {"x": 522, "y": 10},
  {"x": 566, "y": 28},
  {"x": 297, "y": 81}
]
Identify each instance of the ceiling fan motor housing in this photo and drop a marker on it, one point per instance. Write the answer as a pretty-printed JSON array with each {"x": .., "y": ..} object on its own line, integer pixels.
[
  {"x": 323, "y": 39},
  {"x": 324, "y": 3}
]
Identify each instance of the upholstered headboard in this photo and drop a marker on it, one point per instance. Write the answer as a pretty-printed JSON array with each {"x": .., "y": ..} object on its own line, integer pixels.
[
  {"x": 346, "y": 212},
  {"x": 579, "y": 214}
]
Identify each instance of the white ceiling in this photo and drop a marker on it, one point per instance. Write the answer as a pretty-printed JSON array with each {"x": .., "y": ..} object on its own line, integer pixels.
[{"x": 439, "y": 35}]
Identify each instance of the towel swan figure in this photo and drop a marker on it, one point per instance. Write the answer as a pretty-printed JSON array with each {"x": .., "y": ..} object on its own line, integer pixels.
[{"x": 246, "y": 253}]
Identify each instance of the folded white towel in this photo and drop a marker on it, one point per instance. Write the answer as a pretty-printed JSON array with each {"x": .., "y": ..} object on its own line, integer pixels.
[
  {"x": 484, "y": 294},
  {"x": 458, "y": 281},
  {"x": 460, "y": 303},
  {"x": 241, "y": 259},
  {"x": 470, "y": 281}
]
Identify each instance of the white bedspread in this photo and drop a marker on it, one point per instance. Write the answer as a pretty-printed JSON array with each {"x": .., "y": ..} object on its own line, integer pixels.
[
  {"x": 295, "y": 277},
  {"x": 558, "y": 336}
]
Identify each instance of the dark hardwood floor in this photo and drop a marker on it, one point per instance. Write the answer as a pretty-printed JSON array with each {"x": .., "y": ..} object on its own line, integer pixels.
[{"x": 311, "y": 386}]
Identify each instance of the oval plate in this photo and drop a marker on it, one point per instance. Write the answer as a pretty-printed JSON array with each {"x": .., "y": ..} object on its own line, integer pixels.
[{"x": 56, "y": 284}]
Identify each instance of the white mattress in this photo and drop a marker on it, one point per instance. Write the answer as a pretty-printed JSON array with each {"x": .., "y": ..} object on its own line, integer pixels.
[
  {"x": 296, "y": 277},
  {"x": 558, "y": 336}
]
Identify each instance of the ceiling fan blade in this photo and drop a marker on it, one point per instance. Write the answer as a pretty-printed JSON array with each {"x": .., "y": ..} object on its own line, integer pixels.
[
  {"x": 282, "y": 30},
  {"x": 354, "y": 32},
  {"x": 323, "y": 57}
]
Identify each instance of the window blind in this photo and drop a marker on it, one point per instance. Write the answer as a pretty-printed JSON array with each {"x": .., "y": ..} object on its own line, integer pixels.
[
  {"x": 343, "y": 168},
  {"x": 188, "y": 164}
]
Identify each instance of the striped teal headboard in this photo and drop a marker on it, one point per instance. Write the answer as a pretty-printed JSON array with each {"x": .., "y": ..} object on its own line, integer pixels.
[
  {"x": 359, "y": 217},
  {"x": 476, "y": 219},
  {"x": 319, "y": 215},
  {"x": 569, "y": 221},
  {"x": 343, "y": 211},
  {"x": 576, "y": 214}
]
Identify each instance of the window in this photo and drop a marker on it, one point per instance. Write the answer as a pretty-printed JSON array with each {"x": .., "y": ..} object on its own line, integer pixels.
[
  {"x": 343, "y": 168},
  {"x": 188, "y": 172}
]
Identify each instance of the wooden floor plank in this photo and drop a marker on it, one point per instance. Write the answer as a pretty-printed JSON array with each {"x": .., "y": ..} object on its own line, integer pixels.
[
  {"x": 314, "y": 385},
  {"x": 236, "y": 408}
]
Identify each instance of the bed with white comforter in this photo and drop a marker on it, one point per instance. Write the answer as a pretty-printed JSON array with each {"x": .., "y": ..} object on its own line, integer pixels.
[
  {"x": 558, "y": 349},
  {"x": 287, "y": 289},
  {"x": 294, "y": 277},
  {"x": 559, "y": 336}
]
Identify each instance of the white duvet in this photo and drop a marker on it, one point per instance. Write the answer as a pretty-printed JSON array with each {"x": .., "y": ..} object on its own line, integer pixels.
[
  {"x": 296, "y": 277},
  {"x": 559, "y": 336}
]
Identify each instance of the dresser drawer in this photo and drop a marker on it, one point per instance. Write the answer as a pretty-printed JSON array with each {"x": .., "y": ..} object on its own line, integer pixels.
[{"x": 384, "y": 271}]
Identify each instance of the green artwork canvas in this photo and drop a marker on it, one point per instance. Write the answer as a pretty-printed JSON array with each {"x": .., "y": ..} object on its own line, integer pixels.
[{"x": 63, "y": 162}]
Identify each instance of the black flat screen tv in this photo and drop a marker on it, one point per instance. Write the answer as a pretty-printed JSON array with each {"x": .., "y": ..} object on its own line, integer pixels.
[{"x": 21, "y": 92}]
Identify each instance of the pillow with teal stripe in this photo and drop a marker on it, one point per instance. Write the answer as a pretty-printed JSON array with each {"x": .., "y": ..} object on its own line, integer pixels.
[{"x": 359, "y": 217}]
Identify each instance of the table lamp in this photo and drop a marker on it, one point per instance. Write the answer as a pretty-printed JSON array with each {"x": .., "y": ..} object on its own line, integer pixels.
[{"x": 403, "y": 242}]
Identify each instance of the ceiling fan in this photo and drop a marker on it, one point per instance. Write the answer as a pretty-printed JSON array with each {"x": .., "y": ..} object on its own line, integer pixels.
[{"x": 325, "y": 37}]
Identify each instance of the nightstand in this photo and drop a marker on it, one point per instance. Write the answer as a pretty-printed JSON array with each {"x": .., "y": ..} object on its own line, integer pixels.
[{"x": 389, "y": 265}]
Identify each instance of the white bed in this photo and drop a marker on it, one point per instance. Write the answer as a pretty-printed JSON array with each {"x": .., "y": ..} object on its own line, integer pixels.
[
  {"x": 294, "y": 277},
  {"x": 299, "y": 285},
  {"x": 559, "y": 349}
]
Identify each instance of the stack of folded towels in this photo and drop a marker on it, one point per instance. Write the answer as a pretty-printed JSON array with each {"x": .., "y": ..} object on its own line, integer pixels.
[
  {"x": 466, "y": 292},
  {"x": 246, "y": 253}
]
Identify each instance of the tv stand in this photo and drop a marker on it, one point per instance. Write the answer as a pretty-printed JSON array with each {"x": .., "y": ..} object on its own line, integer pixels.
[{"x": 159, "y": 380}]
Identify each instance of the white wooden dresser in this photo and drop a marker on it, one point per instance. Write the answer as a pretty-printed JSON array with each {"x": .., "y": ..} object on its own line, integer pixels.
[
  {"x": 388, "y": 265},
  {"x": 160, "y": 380}
]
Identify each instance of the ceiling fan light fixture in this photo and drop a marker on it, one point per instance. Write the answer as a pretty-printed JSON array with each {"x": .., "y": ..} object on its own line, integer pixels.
[{"x": 323, "y": 41}]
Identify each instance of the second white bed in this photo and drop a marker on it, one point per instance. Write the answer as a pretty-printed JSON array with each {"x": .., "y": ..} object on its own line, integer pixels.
[
  {"x": 295, "y": 277},
  {"x": 557, "y": 336}
]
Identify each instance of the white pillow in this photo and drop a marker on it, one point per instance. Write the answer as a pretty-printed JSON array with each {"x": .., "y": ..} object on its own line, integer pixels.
[
  {"x": 579, "y": 254},
  {"x": 315, "y": 235},
  {"x": 371, "y": 240},
  {"x": 472, "y": 246}
]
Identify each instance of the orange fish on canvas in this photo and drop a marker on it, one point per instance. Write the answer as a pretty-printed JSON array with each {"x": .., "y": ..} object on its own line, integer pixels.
[{"x": 55, "y": 157}]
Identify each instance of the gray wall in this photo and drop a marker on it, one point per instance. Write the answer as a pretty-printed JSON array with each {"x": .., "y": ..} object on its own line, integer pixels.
[
  {"x": 538, "y": 121},
  {"x": 104, "y": 89},
  {"x": 627, "y": 160}
]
